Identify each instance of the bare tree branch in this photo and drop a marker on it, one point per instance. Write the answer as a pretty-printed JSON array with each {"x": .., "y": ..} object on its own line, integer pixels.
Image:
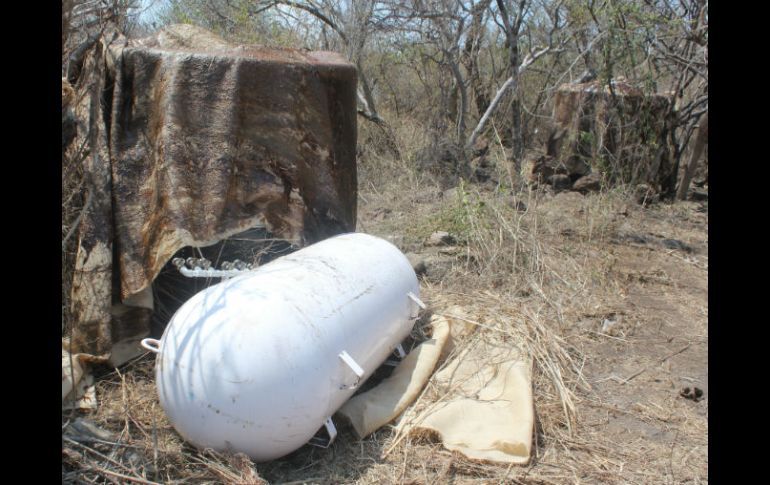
[{"x": 528, "y": 61}]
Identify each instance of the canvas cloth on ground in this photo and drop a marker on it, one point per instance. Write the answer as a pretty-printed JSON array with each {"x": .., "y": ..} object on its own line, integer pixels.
[{"x": 479, "y": 403}]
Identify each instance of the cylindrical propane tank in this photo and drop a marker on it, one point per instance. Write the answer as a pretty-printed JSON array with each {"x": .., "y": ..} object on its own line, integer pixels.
[{"x": 259, "y": 363}]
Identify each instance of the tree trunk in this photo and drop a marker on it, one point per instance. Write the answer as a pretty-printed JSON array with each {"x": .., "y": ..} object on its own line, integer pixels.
[
  {"x": 701, "y": 140},
  {"x": 471, "y": 55},
  {"x": 462, "y": 112},
  {"x": 517, "y": 136},
  {"x": 517, "y": 150},
  {"x": 365, "y": 98},
  {"x": 488, "y": 113},
  {"x": 454, "y": 95}
]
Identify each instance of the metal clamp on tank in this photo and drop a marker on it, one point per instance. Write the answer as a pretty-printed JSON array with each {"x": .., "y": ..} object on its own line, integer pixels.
[
  {"x": 400, "y": 354},
  {"x": 359, "y": 372},
  {"x": 331, "y": 430},
  {"x": 418, "y": 302}
]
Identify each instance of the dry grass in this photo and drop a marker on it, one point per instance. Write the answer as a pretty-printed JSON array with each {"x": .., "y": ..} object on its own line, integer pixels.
[
  {"x": 142, "y": 446},
  {"x": 541, "y": 271},
  {"x": 540, "y": 276}
]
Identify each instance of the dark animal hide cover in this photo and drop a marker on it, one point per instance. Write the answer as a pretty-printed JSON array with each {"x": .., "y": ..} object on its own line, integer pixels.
[
  {"x": 614, "y": 130},
  {"x": 193, "y": 140}
]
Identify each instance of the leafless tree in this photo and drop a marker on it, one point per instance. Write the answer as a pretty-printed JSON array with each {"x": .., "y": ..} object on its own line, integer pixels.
[
  {"x": 351, "y": 22},
  {"x": 665, "y": 44},
  {"x": 679, "y": 54},
  {"x": 510, "y": 17},
  {"x": 470, "y": 62},
  {"x": 471, "y": 51}
]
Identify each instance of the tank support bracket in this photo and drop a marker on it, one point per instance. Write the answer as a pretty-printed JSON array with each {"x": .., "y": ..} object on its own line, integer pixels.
[
  {"x": 331, "y": 430},
  {"x": 357, "y": 370}
]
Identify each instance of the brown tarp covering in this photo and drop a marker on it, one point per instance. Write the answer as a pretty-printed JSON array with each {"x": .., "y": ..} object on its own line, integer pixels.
[{"x": 193, "y": 140}]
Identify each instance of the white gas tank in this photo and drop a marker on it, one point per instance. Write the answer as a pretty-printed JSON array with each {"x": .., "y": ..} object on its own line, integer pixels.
[{"x": 259, "y": 363}]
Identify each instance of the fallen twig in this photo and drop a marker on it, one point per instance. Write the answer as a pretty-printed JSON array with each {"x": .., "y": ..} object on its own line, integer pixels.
[
  {"x": 675, "y": 353},
  {"x": 633, "y": 375}
]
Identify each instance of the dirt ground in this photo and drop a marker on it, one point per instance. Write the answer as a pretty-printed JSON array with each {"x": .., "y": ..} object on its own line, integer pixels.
[
  {"x": 621, "y": 287},
  {"x": 634, "y": 424}
]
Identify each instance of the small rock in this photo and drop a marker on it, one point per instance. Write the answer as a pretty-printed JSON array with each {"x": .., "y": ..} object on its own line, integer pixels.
[
  {"x": 559, "y": 182},
  {"x": 588, "y": 183},
  {"x": 418, "y": 263},
  {"x": 693, "y": 394},
  {"x": 440, "y": 238}
]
